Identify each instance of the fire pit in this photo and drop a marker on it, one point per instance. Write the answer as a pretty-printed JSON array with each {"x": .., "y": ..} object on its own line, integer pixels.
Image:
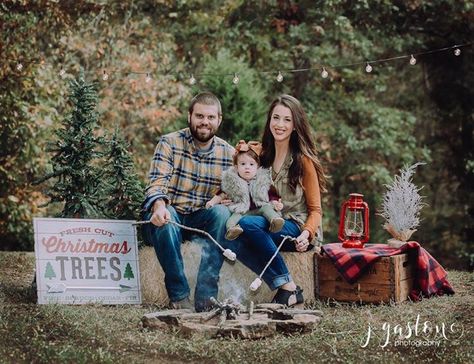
[{"x": 229, "y": 319}]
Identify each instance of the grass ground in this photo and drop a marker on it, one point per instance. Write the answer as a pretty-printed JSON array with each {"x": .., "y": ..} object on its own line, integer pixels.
[{"x": 103, "y": 334}]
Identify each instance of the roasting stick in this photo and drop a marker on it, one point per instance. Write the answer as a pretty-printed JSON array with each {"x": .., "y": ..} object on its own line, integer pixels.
[
  {"x": 258, "y": 281},
  {"x": 229, "y": 254}
]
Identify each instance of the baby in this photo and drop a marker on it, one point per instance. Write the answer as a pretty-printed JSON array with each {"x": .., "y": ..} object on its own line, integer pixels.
[{"x": 250, "y": 190}]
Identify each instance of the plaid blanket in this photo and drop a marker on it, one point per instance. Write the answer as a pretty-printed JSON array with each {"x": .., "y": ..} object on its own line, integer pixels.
[{"x": 430, "y": 277}]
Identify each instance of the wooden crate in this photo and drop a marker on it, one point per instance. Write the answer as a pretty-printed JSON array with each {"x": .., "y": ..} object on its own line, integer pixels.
[{"x": 389, "y": 279}]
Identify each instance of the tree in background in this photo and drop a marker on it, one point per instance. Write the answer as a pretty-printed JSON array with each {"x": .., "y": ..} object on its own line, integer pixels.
[
  {"x": 243, "y": 104},
  {"x": 30, "y": 33},
  {"x": 77, "y": 177},
  {"x": 121, "y": 188}
]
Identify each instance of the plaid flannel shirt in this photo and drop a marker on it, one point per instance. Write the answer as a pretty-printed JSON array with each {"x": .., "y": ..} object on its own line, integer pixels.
[{"x": 183, "y": 175}]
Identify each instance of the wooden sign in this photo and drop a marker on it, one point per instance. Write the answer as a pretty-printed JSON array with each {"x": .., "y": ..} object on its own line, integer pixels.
[{"x": 86, "y": 261}]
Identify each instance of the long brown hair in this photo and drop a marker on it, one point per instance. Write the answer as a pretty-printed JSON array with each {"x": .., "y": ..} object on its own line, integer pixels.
[{"x": 301, "y": 143}]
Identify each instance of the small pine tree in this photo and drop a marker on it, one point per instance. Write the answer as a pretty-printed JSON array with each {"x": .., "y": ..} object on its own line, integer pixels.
[
  {"x": 128, "y": 272},
  {"x": 49, "y": 273},
  {"x": 123, "y": 190},
  {"x": 74, "y": 152}
]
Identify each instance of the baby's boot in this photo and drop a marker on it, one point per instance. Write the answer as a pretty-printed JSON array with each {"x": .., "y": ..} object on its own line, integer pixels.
[
  {"x": 234, "y": 232},
  {"x": 276, "y": 224}
]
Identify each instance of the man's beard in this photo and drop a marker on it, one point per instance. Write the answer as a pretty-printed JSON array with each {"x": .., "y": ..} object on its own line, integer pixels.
[{"x": 199, "y": 137}]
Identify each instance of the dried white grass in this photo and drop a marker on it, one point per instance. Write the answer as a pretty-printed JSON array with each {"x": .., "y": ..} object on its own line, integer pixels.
[{"x": 402, "y": 202}]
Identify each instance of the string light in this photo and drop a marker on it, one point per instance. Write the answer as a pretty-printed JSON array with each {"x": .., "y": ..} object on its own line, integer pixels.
[
  {"x": 324, "y": 73},
  {"x": 236, "y": 79},
  {"x": 279, "y": 77},
  {"x": 456, "y": 49}
]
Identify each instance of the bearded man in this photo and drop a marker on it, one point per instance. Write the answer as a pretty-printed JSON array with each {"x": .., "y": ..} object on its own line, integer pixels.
[{"x": 185, "y": 173}]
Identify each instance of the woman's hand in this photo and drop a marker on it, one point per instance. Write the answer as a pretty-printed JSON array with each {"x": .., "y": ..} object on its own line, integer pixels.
[{"x": 302, "y": 241}]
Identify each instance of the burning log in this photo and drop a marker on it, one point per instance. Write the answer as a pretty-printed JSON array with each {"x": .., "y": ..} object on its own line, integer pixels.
[{"x": 215, "y": 312}]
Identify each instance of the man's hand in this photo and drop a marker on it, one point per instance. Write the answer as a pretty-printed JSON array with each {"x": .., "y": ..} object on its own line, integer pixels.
[
  {"x": 277, "y": 205},
  {"x": 302, "y": 241},
  {"x": 160, "y": 215}
]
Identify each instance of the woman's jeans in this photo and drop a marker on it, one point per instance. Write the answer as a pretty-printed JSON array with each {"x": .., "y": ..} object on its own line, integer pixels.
[
  {"x": 167, "y": 241},
  {"x": 256, "y": 245}
]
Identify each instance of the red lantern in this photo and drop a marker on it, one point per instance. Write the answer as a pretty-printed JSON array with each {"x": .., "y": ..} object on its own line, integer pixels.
[{"x": 354, "y": 222}]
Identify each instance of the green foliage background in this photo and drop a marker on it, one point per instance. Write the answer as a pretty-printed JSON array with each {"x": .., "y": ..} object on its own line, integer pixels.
[{"x": 368, "y": 125}]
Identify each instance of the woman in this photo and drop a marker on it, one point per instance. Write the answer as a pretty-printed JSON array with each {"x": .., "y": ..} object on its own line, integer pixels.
[{"x": 289, "y": 150}]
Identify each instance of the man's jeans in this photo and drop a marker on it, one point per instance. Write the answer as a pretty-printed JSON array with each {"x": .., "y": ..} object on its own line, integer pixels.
[
  {"x": 256, "y": 245},
  {"x": 167, "y": 241}
]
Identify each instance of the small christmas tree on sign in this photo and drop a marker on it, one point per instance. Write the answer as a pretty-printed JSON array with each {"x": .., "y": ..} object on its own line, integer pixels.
[{"x": 401, "y": 207}]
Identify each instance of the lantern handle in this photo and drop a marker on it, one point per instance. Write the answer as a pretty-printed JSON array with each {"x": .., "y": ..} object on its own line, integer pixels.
[
  {"x": 342, "y": 220},
  {"x": 366, "y": 225}
]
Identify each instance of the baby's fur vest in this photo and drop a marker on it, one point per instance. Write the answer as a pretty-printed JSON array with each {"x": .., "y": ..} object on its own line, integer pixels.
[{"x": 239, "y": 191}]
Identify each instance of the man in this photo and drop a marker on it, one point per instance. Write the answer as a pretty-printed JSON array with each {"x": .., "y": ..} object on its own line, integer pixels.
[{"x": 185, "y": 173}]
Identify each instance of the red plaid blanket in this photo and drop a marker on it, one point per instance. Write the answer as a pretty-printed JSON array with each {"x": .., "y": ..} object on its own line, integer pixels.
[{"x": 430, "y": 277}]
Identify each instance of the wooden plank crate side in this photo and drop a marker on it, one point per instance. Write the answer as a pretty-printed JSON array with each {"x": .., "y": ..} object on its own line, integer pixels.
[{"x": 389, "y": 279}]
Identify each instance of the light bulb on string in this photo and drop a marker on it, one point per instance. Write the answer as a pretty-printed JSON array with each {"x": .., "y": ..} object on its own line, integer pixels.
[
  {"x": 105, "y": 76},
  {"x": 236, "y": 79},
  {"x": 457, "y": 52},
  {"x": 412, "y": 60},
  {"x": 368, "y": 68},
  {"x": 192, "y": 80},
  {"x": 324, "y": 73},
  {"x": 19, "y": 66},
  {"x": 279, "y": 77},
  {"x": 148, "y": 78}
]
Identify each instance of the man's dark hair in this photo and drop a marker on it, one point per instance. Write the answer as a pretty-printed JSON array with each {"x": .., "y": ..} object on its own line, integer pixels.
[{"x": 205, "y": 98}]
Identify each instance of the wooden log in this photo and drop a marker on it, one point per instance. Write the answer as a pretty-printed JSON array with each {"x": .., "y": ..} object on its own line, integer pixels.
[
  {"x": 288, "y": 313},
  {"x": 258, "y": 326},
  {"x": 299, "y": 324}
]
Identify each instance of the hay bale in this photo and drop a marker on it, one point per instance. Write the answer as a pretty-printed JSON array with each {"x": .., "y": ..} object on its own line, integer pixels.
[{"x": 234, "y": 281}]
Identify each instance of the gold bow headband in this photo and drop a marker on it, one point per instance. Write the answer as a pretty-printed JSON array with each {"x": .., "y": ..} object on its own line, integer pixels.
[{"x": 242, "y": 146}]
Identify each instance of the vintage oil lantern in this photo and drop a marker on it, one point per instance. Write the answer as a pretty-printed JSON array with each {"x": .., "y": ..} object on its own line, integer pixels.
[{"x": 354, "y": 222}]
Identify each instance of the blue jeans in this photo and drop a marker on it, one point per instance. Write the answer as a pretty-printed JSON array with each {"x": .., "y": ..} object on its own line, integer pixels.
[
  {"x": 167, "y": 241},
  {"x": 256, "y": 245}
]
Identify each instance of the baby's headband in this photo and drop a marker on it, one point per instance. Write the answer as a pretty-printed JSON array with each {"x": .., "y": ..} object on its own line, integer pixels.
[{"x": 242, "y": 146}]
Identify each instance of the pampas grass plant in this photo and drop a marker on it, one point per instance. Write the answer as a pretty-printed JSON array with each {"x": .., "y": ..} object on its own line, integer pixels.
[{"x": 401, "y": 206}]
